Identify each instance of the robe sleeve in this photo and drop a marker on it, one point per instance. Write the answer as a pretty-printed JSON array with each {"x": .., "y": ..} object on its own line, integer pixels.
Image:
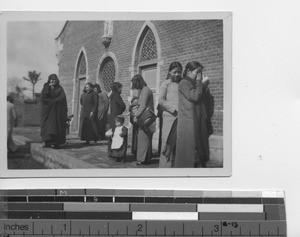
[
  {"x": 208, "y": 102},
  {"x": 121, "y": 103},
  {"x": 143, "y": 101},
  {"x": 191, "y": 93},
  {"x": 45, "y": 95},
  {"x": 95, "y": 102},
  {"x": 166, "y": 105},
  {"x": 105, "y": 101},
  {"x": 61, "y": 96}
]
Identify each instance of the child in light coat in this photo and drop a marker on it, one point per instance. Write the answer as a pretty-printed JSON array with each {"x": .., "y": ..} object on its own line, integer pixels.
[{"x": 117, "y": 143}]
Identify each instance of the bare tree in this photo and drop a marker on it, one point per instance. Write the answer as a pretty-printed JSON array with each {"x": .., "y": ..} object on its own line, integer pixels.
[{"x": 33, "y": 78}]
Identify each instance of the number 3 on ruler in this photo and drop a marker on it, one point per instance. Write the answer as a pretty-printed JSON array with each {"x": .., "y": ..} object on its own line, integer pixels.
[{"x": 216, "y": 228}]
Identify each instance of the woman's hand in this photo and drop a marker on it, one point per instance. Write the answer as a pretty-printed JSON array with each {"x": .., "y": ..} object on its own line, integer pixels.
[
  {"x": 135, "y": 119},
  {"x": 199, "y": 77},
  {"x": 91, "y": 114},
  {"x": 205, "y": 80}
]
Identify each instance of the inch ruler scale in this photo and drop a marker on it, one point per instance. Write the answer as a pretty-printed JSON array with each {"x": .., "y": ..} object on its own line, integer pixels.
[{"x": 110, "y": 212}]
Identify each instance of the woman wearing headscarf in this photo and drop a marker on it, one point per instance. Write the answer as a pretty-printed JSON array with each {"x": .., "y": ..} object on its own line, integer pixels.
[
  {"x": 144, "y": 140},
  {"x": 168, "y": 102},
  {"x": 103, "y": 103},
  {"x": 88, "y": 119},
  {"x": 54, "y": 113},
  {"x": 192, "y": 147}
]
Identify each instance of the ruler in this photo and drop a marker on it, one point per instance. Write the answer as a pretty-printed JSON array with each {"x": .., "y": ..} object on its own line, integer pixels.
[{"x": 110, "y": 212}]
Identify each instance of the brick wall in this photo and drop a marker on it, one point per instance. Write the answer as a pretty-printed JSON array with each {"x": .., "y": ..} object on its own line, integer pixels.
[{"x": 183, "y": 41}]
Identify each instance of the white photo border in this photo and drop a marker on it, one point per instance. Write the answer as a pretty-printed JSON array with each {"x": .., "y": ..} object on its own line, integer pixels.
[{"x": 225, "y": 171}]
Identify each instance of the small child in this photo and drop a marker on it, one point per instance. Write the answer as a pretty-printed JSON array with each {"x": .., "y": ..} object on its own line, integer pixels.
[{"x": 117, "y": 144}]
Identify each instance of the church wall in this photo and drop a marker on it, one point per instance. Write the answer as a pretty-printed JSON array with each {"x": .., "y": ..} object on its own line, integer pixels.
[{"x": 180, "y": 40}]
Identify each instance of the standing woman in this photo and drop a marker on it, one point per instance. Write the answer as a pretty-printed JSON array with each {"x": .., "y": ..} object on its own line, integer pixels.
[
  {"x": 103, "y": 103},
  {"x": 192, "y": 137},
  {"x": 88, "y": 120},
  {"x": 168, "y": 102},
  {"x": 54, "y": 113},
  {"x": 144, "y": 142},
  {"x": 11, "y": 118},
  {"x": 117, "y": 105},
  {"x": 135, "y": 128}
]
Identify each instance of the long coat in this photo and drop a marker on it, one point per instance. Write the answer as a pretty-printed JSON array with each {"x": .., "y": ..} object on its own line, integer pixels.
[
  {"x": 144, "y": 143},
  {"x": 192, "y": 127},
  {"x": 54, "y": 115},
  {"x": 168, "y": 101},
  {"x": 117, "y": 107},
  {"x": 88, "y": 124},
  {"x": 103, "y": 104}
]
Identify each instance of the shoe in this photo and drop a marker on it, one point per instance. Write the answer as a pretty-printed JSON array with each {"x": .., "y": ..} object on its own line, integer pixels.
[
  {"x": 142, "y": 163},
  {"x": 87, "y": 143}
]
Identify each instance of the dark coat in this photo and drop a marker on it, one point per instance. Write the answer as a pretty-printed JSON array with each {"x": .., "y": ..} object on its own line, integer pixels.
[
  {"x": 192, "y": 149},
  {"x": 54, "y": 115},
  {"x": 88, "y": 124},
  {"x": 117, "y": 107}
]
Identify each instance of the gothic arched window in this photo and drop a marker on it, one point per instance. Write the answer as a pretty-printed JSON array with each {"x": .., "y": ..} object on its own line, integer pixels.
[
  {"x": 108, "y": 73},
  {"x": 148, "y": 49},
  {"x": 82, "y": 67}
]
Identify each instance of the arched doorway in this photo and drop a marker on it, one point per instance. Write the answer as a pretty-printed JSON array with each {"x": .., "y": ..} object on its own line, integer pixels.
[
  {"x": 147, "y": 62},
  {"x": 80, "y": 81}
]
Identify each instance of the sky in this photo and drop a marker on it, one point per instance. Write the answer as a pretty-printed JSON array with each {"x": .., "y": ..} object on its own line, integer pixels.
[{"x": 31, "y": 46}]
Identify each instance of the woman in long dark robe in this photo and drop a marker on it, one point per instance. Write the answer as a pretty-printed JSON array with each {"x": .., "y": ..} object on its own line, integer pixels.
[
  {"x": 54, "y": 113},
  {"x": 192, "y": 147},
  {"x": 88, "y": 119}
]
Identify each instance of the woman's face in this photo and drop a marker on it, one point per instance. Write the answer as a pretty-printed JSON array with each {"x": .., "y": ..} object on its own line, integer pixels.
[
  {"x": 118, "y": 124},
  {"x": 175, "y": 74},
  {"x": 120, "y": 90},
  {"x": 96, "y": 90},
  {"x": 195, "y": 73},
  {"x": 88, "y": 88},
  {"x": 53, "y": 82}
]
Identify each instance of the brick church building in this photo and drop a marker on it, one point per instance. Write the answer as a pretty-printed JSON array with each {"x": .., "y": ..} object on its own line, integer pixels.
[{"x": 106, "y": 51}]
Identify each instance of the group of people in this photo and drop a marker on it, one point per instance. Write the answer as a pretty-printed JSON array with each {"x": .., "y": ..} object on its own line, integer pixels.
[{"x": 185, "y": 109}]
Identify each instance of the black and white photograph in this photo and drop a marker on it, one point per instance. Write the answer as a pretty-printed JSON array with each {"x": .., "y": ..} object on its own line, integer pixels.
[{"x": 117, "y": 94}]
